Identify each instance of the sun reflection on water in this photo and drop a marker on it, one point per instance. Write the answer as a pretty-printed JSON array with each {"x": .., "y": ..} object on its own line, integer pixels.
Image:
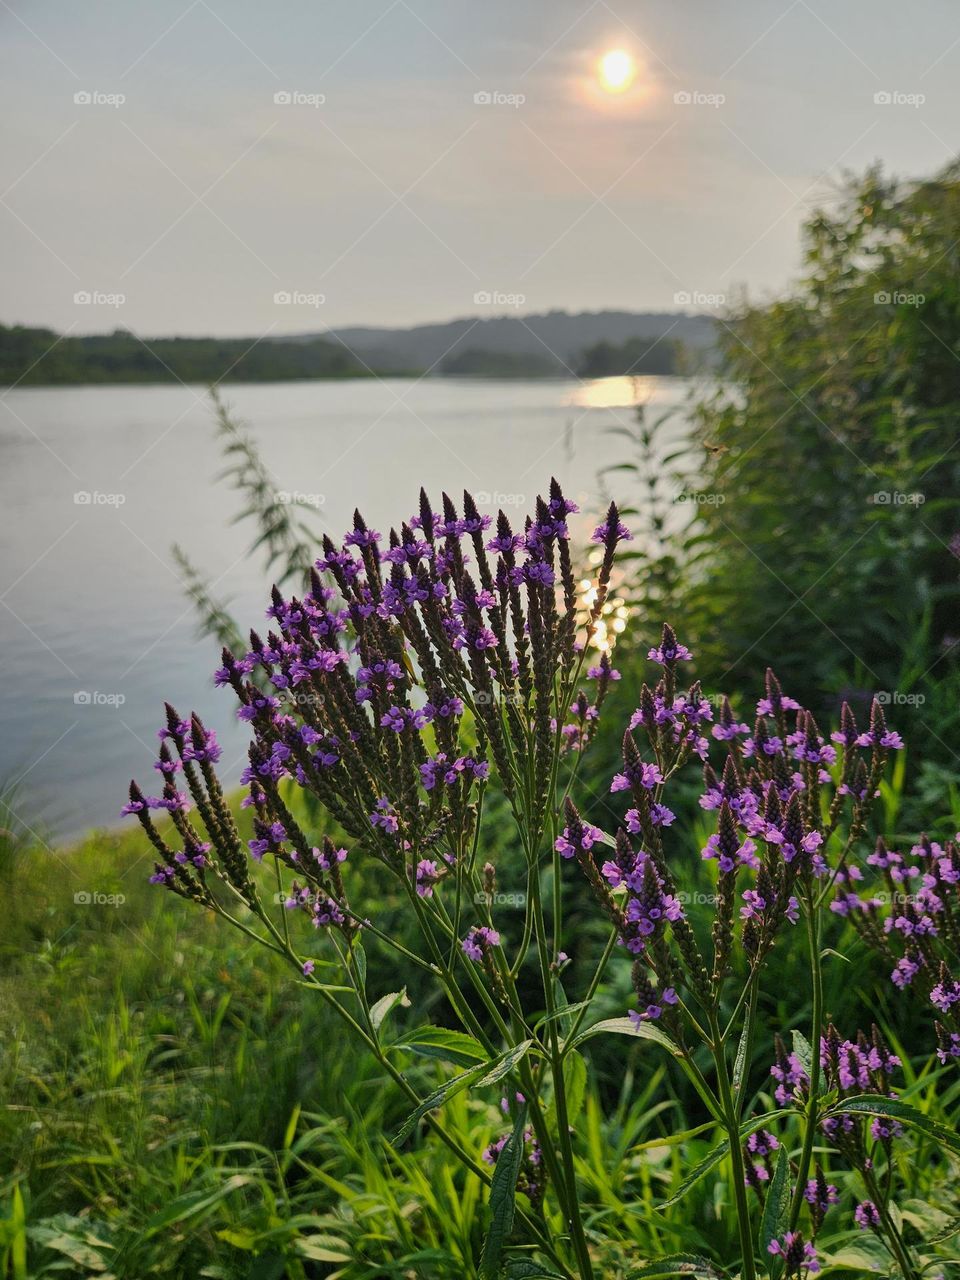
[{"x": 613, "y": 393}]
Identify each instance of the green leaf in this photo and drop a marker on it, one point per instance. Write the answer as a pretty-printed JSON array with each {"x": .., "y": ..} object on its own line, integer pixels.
[
  {"x": 740, "y": 1061},
  {"x": 693, "y": 1177},
  {"x": 385, "y": 1004},
  {"x": 872, "y": 1105},
  {"x": 291, "y": 1129},
  {"x": 951, "y": 1229},
  {"x": 503, "y": 1065},
  {"x": 187, "y": 1206},
  {"x": 776, "y": 1210},
  {"x": 321, "y": 1248},
  {"x": 494, "y": 1070},
  {"x": 801, "y": 1047},
  {"x": 559, "y": 1014},
  {"x": 524, "y": 1269},
  {"x": 574, "y": 1084},
  {"x": 677, "y": 1264},
  {"x": 627, "y": 1027},
  {"x": 503, "y": 1199},
  {"x": 449, "y": 1089},
  {"x": 360, "y": 964},
  {"x": 440, "y": 1042},
  {"x": 674, "y": 1139},
  {"x": 717, "y": 1154}
]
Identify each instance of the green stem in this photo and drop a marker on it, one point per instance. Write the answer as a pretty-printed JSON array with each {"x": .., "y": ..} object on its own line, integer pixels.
[
  {"x": 732, "y": 1126},
  {"x": 373, "y": 1044},
  {"x": 891, "y": 1236},
  {"x": 578, "y": 1237},
  {"x": 810, "y": 1124}
]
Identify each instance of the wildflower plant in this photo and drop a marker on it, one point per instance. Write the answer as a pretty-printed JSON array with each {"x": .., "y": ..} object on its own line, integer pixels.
[{"x": 416, "y": 673}]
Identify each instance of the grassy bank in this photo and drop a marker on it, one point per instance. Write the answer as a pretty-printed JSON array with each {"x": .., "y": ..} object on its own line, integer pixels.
[{"x": 175, "y": 1104}]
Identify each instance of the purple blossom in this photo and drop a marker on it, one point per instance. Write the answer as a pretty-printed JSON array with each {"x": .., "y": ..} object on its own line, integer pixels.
[
  {"x": 867, "y": 1216},
  {"x": 479, "y": 941}
]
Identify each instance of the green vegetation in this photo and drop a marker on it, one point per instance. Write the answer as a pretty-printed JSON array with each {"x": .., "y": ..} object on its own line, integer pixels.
[
  {"x": 40, "y": 357},
  {"x": 175, "y": 1104},
  {"x": 813, "y": 523},
  {"x": 637, "y": 356},
  {"x": 478, "y": 363}
]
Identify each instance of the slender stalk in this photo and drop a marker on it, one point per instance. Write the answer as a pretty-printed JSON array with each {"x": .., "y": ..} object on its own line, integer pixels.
[
  {"x": 373, "y": 1044},
  {"x": 892, "y": 1237},
  {"x": 575, "y": 1221},
  {"x": 810, "y": 1124},
  {"x": 732, "y": 1126}
]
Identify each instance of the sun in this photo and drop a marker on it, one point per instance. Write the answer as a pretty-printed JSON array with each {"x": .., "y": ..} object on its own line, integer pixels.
[{"x": 616, "y": 71}]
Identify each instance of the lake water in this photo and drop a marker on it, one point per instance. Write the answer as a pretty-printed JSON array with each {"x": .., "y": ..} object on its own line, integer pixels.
[{"x": 95, "y": 631}]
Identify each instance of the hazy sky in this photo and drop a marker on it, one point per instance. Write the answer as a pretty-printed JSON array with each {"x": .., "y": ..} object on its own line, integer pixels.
[{"x": 399, "y": 198}]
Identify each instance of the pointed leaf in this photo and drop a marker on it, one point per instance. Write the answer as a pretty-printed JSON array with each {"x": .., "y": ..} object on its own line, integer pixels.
[
  {"x": 776, "y": 1209},
  {"x": 872, "y": 1105},
  {"x": 627, "y": 1027},
  {"x": 442, "y": 1042},
  {"x": 677, "y": 1264},
  {"x": 717, "y": 1154},
  {"x": 503, "y": 1199},
  {"x": 385, "y": 1004}
]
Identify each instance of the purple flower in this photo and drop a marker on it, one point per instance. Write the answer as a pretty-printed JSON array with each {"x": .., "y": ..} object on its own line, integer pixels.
[
  {"x": 762, "y": 1143},
  {"x": 642, "y": 774},
  {"x": 613, "y": 530},
  {"x": 820, "y": 1196},
  {"x": 428, "y": 873},
  {"x": 796, "y": 1254},
  {"x": 385, "y": 817},
  {"x": 479, "y": 941},
  {"x": 668, "y": 653},
  {"x": 572, "y": 842},
  {"x": 867, "y": 1216}
]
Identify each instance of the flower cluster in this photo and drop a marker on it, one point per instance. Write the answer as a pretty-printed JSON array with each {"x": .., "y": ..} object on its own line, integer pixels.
[
  {"x": 408, "y": 669},
  {"x": 530, "y": 1179},
  {"x": 780, "y": 794},
  {"x": 862, "y": 1066},
  {"x": 906, "y": 907}
]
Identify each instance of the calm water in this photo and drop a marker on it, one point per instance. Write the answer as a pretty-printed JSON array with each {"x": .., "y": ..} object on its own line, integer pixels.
[{"x": 95, "y": 631}]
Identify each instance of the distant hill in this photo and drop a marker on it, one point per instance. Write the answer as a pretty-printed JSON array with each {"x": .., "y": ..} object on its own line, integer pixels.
[
  {"x": 558, "y": 337},
  {"x": 589, "y": 344},
  {"x": 36, "y": 357}
]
